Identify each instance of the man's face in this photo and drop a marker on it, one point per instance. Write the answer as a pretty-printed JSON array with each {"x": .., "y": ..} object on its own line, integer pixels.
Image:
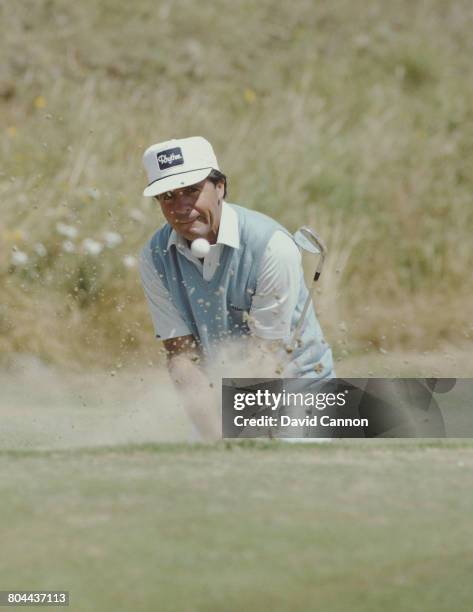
[{"x": 194, "y": 211}]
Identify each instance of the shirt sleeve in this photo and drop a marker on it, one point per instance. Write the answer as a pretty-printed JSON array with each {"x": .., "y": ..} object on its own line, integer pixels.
[
  {"x": 277, "y": 289},
  {"x": 167, "y": 321}
]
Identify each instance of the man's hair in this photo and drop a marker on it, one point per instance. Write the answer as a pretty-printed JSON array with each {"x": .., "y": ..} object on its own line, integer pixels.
[{"x": 218, "y": 177}]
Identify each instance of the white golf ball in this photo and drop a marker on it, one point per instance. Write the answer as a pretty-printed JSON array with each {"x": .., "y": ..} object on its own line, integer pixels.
[{"x": 200, "y": 247}]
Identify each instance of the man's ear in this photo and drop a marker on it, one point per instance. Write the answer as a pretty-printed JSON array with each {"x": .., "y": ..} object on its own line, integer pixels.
[{"x": 220, "y": 187}]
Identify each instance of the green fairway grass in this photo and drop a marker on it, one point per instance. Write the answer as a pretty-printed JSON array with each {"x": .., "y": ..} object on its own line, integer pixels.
[{"x": 347, "y": 526}]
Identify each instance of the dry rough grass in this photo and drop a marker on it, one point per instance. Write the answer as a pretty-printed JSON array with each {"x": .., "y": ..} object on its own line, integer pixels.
[{"x": 355, "y": 118}]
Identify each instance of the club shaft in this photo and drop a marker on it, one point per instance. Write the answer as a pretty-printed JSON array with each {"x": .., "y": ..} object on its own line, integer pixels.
[{"x": 300, "y": 323}]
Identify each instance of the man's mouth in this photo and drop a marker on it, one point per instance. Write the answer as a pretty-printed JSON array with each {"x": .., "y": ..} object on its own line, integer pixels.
[{"x": 188, "y": 221}]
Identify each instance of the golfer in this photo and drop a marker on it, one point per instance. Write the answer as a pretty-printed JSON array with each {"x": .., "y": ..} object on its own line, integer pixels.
[{"x": 250, "y": 283}]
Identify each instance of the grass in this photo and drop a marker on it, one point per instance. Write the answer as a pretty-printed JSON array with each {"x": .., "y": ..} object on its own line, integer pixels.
[
  {"x": 94, "y": 504},
  {"x": 342, "y": 526},
  {"x": 354, "y": 118}
]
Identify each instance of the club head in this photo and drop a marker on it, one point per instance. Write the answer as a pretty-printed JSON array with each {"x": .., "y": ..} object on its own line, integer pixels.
[{"x": 310, "y": 241}]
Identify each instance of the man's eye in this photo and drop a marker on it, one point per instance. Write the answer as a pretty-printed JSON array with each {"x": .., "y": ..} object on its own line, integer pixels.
[{"x": 166, "y": 196}]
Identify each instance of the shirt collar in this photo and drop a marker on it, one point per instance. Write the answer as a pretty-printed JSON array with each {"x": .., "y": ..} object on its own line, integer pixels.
[{"x": 228, "y": 232}]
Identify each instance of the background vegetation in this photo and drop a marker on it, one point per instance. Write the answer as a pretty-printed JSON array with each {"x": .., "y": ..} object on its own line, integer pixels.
[{"x": 354, "y": 117}]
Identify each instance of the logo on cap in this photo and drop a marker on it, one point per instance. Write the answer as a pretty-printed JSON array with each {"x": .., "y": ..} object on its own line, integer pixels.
[{"x": 171, "y": 157}]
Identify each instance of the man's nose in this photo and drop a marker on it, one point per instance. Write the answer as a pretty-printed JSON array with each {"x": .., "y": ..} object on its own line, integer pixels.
[{"x": 183, "y": 203}]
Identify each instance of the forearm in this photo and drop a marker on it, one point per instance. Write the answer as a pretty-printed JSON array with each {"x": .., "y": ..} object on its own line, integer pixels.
[{"x": 198, "y": 396}]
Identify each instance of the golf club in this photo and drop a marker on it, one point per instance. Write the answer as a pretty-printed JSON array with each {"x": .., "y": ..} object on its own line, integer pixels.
[{"x": 309, "y": 241}]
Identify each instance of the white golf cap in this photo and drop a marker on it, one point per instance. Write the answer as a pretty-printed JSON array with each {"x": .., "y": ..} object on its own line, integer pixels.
[{"x": 178, "y": 163}]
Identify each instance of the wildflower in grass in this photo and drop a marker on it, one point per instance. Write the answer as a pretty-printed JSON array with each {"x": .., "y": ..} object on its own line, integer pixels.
[
  {"x": 39, "y": 102},
  {"x": 129, "y": 261},
  {"x": 249, "y": 95},
  {"x": 68, "y": 246},
  {"x": 66, "y": 230},
  {"x": 93, "y": 193},
  {"x": 19, "y": 258},
  {"x": 137, "y": 215},
  {"x": 16, "y": 235},
  {"x": 112, "y": 239},
  {"x": 40, "y": 249},
  {"x": 92, "y": 247}
]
